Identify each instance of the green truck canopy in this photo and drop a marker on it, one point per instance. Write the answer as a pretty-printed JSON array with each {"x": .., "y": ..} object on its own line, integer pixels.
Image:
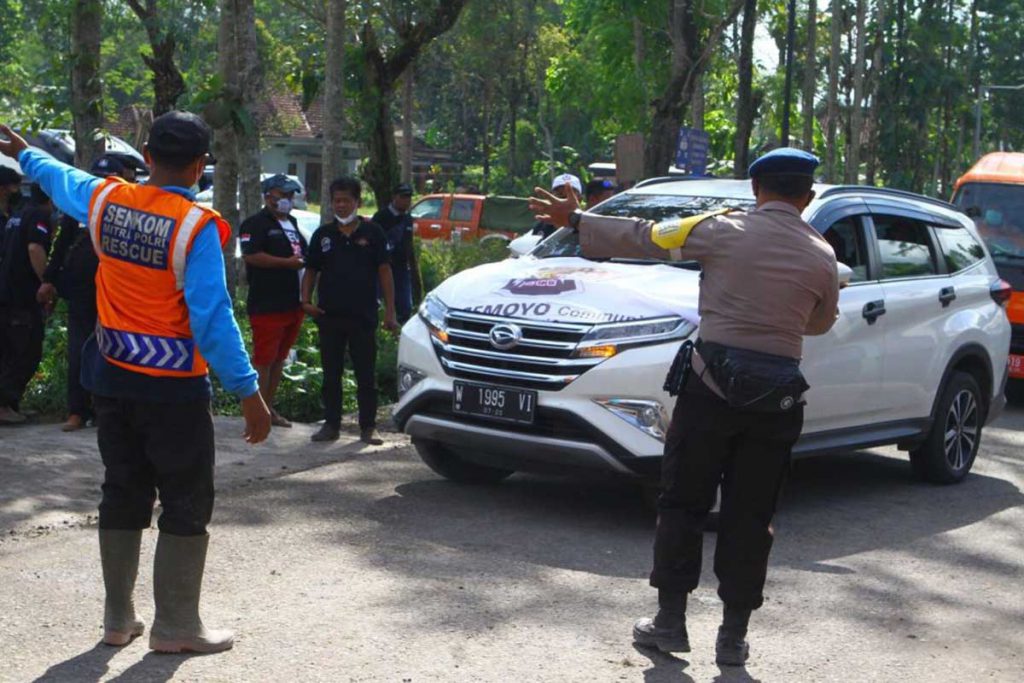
[{"x": 507, "y": 214}]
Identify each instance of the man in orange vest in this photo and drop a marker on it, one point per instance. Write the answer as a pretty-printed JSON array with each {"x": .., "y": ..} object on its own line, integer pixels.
[{"x": 164, "y": 311}]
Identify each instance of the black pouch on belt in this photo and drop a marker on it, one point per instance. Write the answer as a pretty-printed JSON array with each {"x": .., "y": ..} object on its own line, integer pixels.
[
  {"x": 752, "y": 380},
  {"x": 679, "y": 372}
]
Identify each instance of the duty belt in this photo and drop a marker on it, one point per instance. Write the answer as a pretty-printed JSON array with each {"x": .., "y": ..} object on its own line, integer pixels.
[{"x": 146, "y": 350}]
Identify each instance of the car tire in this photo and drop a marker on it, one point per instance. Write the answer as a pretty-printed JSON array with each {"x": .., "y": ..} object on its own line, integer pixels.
[
  {"x": 445, "y": 461},
  {"x": 947, "y": 454}
]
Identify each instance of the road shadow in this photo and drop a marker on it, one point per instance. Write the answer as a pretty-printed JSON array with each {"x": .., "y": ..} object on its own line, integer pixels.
[
  {"x": 86, "y": 667},
  {"x": 153, "y": 668},
  {"x": 665, "y": 668}
]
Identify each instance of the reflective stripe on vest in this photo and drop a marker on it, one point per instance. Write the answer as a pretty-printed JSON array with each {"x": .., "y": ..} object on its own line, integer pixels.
[
  {"x": 145, "y": 350},
  {"x": 181, "y": 242},
  {"x": 94, "y": 217}
]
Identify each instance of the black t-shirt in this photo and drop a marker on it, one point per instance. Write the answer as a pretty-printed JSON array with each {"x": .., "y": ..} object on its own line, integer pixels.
[
  {"x": 73, "y": 262},
  {"x": 18, "y": 281},
  {"x": 348, "y": 269},
  {"x": 398, "y": 231},
  {"x": 272, "y": 290}
]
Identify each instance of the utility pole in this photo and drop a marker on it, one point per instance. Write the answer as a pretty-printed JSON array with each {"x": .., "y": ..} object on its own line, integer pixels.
[
  {"x": 982, "y": 91},
  {"x": 788, "y": 96}
]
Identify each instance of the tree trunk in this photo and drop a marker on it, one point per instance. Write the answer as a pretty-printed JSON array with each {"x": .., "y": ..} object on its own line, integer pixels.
[
  {"x": 407, "y": 131},
  {"x": 382, "y": 72},
  {"x": 225, "y": 147},
  {"x": 857, "y": 108},
  {"x": 488, "y": 94},
  {"x": 334, "y": 104},
  {"x": 874, "y": 118},
  {"x": 250, "y": 81},
  {"x": 86, "y": 87},
  {"x": 697, "y": 104},
  {"x": 833, "y": 91},
  {"x": 168, "y": 83},
  {"x": 692, "y": 49},
  {"x": 810, "y": 74},
  {"x": 745, "y": 111}
]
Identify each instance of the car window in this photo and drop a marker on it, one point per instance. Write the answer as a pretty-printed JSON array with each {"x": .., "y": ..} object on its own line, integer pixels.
[
  {"x": 653, "y": 207},
  {"x": 427, "y": 208},
  {"x": 462, "y": 210},
  {"x": 998, "y": 211},
  {"x": 959, "y": 248},
  {"x": 847, "y": 241},
  {"x": 905, "y": 247}
]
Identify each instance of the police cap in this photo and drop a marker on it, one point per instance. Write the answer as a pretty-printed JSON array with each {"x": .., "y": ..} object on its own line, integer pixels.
[
  {"x": 281, "y": 182},
  {"x": 107, "y": 165},
  {"x": 785, "y": 160},
  {"x": 178, "y": 137}
]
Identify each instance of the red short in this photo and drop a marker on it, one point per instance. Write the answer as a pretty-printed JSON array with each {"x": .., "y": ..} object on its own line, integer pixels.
[{"x": 273, "y": 335}]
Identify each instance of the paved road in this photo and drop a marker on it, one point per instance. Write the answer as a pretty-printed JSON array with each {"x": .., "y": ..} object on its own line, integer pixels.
[{"x": 358, "y": 564}]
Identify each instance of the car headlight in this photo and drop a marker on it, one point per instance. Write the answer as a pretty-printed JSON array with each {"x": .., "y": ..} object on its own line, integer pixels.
[
  {"x": 647, "y": 416},
  {"x": 604, "y": 341},
  {"x": 434, "y": 313},
  {"x": 408, "y": 378}
]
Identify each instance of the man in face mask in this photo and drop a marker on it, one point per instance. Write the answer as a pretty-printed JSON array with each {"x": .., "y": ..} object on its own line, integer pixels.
[{"x": 274, "y": 252}]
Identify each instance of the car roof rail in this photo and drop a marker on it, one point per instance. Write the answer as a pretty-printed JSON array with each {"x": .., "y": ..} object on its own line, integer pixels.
[
  {"x": 902, "y": 194},
  {"x": 668, "y": 179}
]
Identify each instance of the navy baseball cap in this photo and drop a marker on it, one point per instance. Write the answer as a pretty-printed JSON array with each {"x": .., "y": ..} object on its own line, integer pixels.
[
  {"x": 785, "y": 160},
  {"x": 281, "y": 182},
  {"x": 403, "y": 190},
  {"x": 179, "y": 136},
  {"x": 107, "y": 165}
]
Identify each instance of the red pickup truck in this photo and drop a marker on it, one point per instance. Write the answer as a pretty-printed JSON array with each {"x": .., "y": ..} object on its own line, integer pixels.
[{"x": 471, "y": 217}]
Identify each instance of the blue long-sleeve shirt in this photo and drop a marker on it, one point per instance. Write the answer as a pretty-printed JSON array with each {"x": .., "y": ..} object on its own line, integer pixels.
[{"x": 211, "y": 316}]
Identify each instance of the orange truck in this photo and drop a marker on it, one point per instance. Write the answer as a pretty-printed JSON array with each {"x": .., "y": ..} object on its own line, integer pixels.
[
  {"x": 471, "y": 217},
  {"x": 992, "y": 194}
]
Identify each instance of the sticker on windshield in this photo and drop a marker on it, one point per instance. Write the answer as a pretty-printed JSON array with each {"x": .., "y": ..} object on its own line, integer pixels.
[{"x": 536, "y": 286}]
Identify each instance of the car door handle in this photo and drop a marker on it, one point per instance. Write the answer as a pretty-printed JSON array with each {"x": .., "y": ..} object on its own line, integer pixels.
[
  {"x": 435, "y": 226},
  {"x": 873, "y": 310},
  {"x": 947, "y": 295}
]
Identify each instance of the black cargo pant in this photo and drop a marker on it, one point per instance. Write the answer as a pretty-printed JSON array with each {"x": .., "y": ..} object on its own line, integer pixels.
[
  {"x": 337, "y": 334},
  {"x": 81, "y": 323},
  {"x": 151, "y": 447},
  {"x": 748, "y": 453},
  {"x": 21, "y": 349}
]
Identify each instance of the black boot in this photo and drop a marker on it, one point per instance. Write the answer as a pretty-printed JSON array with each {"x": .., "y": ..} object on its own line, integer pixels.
[
  {"x": 731, "y": 648},
  {"x": 667, "y": 631},
  {"x": 327, "y": 433}
]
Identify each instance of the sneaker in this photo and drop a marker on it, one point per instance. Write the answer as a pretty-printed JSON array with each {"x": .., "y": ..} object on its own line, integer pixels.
[
  {"x": 327, "y": 433},
  {"x": 369, "y": 435},
  {"x": 730, "y": 649},
  {"x": 672, "y": 639}
]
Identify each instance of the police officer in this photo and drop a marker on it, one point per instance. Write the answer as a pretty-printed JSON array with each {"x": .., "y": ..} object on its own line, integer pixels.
[
  {"x": 26, "y": 244},
  {"x": 164, "y": 312},
  {"x": 768, "y": 279},
  {"x": 399, "y": 230},
  {"x": 71, "y": 274}
]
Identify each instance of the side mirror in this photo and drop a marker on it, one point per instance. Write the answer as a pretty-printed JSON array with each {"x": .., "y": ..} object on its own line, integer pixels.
[{"x": 845, "y": 274}]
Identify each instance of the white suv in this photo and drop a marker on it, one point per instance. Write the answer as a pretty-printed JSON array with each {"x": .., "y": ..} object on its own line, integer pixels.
[{"x": 555, "y": 363}]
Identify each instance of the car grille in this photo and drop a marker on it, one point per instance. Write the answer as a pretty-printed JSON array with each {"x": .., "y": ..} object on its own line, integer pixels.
[{"x": 543, "y": 359}]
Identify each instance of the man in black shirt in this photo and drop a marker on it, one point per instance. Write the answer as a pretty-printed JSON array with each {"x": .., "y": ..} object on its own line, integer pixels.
[
  {"x": 10, "y": 194},
  {"x": 26, "y": 245},
  {"x": 274, "y": 251},
  {"x": 347, "y": 259},
  {"x": 71, "y": 274},
  {"x": 398, "y": 227}
]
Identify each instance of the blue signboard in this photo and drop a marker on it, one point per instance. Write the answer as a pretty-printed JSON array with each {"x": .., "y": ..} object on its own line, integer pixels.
[{"x": 692, "y": 151}]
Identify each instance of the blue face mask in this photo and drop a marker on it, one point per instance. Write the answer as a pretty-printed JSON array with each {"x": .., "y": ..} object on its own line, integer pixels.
[
  {"x": 284, "y": 206},
  {"x": 993, "y": 217}
]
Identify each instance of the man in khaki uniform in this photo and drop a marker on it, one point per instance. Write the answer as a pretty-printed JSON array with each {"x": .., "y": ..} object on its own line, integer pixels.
[{"x": 768, "y": 279}]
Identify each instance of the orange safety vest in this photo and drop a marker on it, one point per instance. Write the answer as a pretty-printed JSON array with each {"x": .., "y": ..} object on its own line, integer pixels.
[{"x": 143, "y": 235}]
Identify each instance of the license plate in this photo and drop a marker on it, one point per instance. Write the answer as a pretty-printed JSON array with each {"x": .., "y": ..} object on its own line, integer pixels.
[
  {"x": 1017, "y": 367},
  {"x": 497, "y": 403}
]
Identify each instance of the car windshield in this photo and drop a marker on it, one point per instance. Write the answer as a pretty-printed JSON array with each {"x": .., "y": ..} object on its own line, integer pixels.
[
  {"x": 653, "y": 207},
  {"x": 998, "y": 211}
]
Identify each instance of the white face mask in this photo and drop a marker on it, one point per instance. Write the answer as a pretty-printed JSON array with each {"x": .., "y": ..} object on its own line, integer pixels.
[
  {"x": 284, "y": 206},
  {"x": 345, "y": 220}
]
